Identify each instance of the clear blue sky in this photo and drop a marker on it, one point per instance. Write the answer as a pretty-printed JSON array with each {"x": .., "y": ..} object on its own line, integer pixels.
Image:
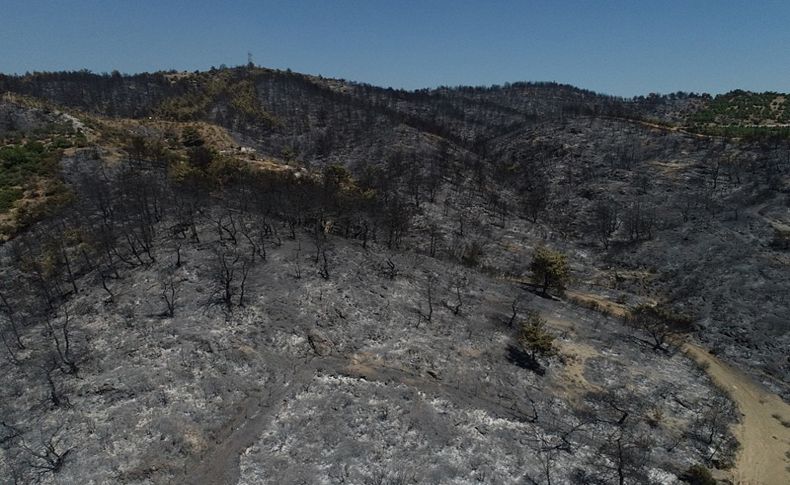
[{"x": 623, "y": 47}]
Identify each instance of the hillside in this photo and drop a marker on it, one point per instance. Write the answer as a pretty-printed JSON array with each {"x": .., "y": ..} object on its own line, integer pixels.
[
  {"x": 745, "y": 108},
  {"x": 256, "y": 276}
]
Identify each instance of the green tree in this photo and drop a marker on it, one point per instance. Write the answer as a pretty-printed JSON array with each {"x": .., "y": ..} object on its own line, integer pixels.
[
  {"x": 200, "y": 157},
  {"x": 533, "y": 337},
  {"x": 549, "y": 269},
  {"x": 137, "y": 148},
  {"x": 191, "y": 137},
  {"x": 336, "y": 176}
]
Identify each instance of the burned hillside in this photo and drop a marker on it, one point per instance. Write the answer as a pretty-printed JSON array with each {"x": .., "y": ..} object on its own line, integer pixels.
[{"x": 257, "y": 276}]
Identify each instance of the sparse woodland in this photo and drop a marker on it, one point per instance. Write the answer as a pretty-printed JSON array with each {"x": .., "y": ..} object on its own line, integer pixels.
[{"x": 257, "y": 276}]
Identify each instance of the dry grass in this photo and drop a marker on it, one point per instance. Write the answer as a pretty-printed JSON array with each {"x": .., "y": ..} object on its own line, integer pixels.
[
  {"x": 574, "y": 356},
  {"x": 597, "y": 303}
]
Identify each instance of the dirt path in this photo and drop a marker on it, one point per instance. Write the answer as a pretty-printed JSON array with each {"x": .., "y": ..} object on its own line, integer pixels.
[
  {"x": 764, "y": 458},
  {"x": 668, "y": 128},
  {"x": 220, "y": 464}
]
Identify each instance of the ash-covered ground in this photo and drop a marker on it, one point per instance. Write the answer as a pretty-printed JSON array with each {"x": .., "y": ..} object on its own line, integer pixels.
[
  {"x": 343, "y": 379},
  {"x": 315, "y": 329}
]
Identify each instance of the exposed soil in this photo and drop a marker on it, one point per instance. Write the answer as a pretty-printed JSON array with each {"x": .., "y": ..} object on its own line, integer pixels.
[{"x": 764, "y": 457}]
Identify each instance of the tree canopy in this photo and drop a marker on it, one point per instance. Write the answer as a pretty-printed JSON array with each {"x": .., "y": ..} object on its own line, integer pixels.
[
  {"x": 533, "y": 337},
  {"x": 549, "y": 269}
]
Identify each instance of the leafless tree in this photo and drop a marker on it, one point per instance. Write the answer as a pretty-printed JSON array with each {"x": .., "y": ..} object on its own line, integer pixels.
[
  {"x": 104, "y": 275},
  {"x": 715, "y": 171},
  {"x": 435, "y": 236},
  {"x": 430, "y": 284},
  {"x": 54, "y": 394},
  {"x": 28, "y": 255},
  {"x": 515, "y": 309},
  {"x": 244, "y": 273},
  {"x": 230, "y": 271},
  {"x": 733, "y": 169},
  {"x": 606, "y": 220},
  {"x": 623, "y": 454},
  {"x": 56, "y": 242},
  {"x": 11, "y": 352},
  {"x": 686, "y": 204},
  {"x": 297, "y": 260},
  {"x": 9, "y": 433},
  {"x": 255, "y": 233},
  {"x": 623, "y": 457},
  {"x": 397, "y": 220},
  {"x": 226, "y": 226},
  {"x": 712, "y": 428},
  {"x": 323, "y": 268},
  {"x": 7, "y": 311},
  {"x": 169, "y": 287},
  {"x": 458, "y": 285},
  {"x": 551, "y": 435},
  {"x": 61, "y": 337},
  {"x": 535, "y": 196},
  {"x": 639, "y": 220},
  {"x": 46, "y": 457},
  {"x": 390, "y": 270}
]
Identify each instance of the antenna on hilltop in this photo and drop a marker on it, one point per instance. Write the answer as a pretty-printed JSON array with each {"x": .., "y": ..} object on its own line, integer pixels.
[{"x": 249, "y": 60}]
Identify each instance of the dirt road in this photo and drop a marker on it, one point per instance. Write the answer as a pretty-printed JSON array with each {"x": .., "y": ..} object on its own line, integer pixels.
[{"x": 764, "y": 458}]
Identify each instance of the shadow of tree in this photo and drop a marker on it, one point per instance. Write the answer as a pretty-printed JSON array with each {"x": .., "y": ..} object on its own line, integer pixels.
[{"x": 522, "y": 359}]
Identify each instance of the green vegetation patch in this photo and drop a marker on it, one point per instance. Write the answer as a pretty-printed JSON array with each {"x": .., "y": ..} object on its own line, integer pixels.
[
  {"x": 29, "y": 184},
  {"x": 744, "y": 114},
  {"x": 211, "y": 88},
  {"x": 20, "y": 166},
  {"x": 9, "y": 195},
  {"x": 745, "y": 108}
]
